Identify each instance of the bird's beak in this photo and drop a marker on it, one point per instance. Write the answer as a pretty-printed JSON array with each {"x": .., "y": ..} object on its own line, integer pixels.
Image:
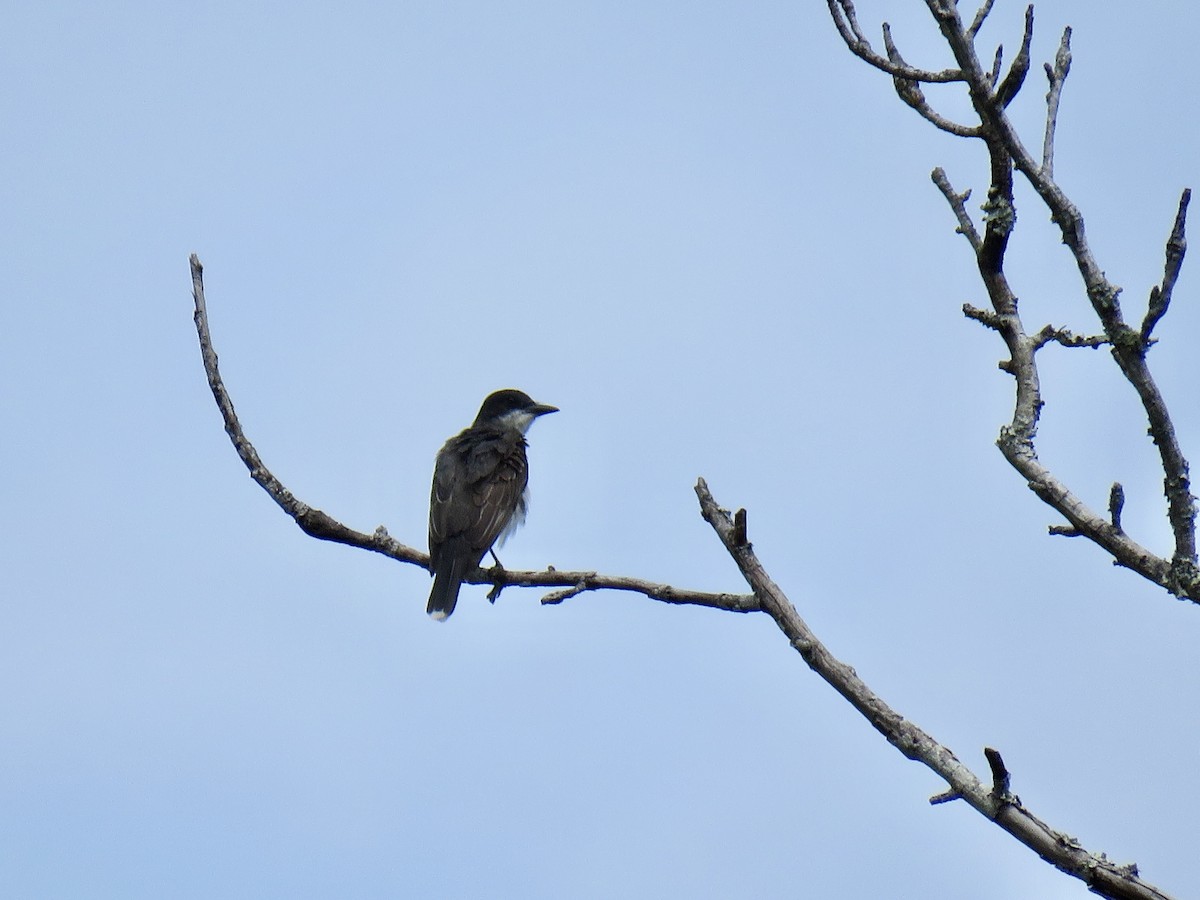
[{"x": 541, "y": 409}]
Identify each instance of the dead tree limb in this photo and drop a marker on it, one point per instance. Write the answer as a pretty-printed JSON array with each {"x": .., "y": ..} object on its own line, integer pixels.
[
  {"x": 1178, "y": 571},
  {"x": 995, "y": 801}
]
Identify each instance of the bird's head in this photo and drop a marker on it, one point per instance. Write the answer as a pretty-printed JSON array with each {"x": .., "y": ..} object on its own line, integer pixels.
[{"x": 513, "y": 408}]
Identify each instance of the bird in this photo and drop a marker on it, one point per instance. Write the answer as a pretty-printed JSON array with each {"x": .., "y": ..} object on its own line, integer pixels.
[{"x": 478, "y": 494}]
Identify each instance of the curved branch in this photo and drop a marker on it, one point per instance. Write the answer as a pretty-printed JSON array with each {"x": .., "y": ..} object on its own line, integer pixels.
[
  {"x": 1015, "y": 78},
  {"x": 1160, "y": 294},
  {"x": 995, "y": 802},
  {"x": 846, "y": 20},
  {"x": 1057, "y": 76},
  {"x": 1016, "y": 439},
  {"x": 980, "y": 15},
  {"x": 318, "y": 524},
  {"x": 1128, "y": 349},
  {"x": 312, "y": 521},
  {"x": 909, "y": 90},
  {"x": 1181, "y": 574},
  {"x": 958, "y": 203}
]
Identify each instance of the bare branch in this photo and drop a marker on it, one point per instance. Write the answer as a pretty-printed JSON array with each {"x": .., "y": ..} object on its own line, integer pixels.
[
  {"x": 999, "y": 806},
  {"x": 317, "y": 524},
  {"x": 1116, "y": 503},
  {"x": 958, "y": 203},
  {"x": 312, "y": 521},
  {"x": 852, "y": 18},
  {"x": 665, "y": 593},
  {"x": 944, "y": 797},
  {"x": 1057, "y": 76},
  {"x": 1067, "y": 338},
  {"x": 1001, "y": 779},
  {"x": 910, "y": 92},
  {"x": 1181, "y": 576},
  {"x": 1064, "y": 531},
  {"x": 846, "y": 22},
  {"x": 1020, "y": 65},
  {"x": 997, "y": 62},
  {"x": 1016, "y": 439},
  {"x": 984, "y": 317},
  {"x": 1019, "y": 451},
  {"x": 1160, "y": 295},
  {"x": 980, "y": 15}
]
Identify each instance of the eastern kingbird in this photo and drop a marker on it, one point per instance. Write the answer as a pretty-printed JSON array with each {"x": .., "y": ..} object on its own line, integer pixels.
[{"x": 478, "y": 492}]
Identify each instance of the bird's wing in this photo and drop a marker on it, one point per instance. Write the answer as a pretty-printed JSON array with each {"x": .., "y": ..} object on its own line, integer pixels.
[
  {"x": 446, "y": 518},
  {"x": 478, "y": 485},
  {"x": 498, "y": 495}
]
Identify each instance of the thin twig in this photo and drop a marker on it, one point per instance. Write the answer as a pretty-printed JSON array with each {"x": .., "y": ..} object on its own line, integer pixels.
[
  {"x": 958, "y": 203},
  {"x": 1001, "y": 778},
  {"x": 1064, "y": 531},
  {"x": 1057, "y": 76},
  {"x": 909, "y": 90},
  {"x": 1160, "y": 295},
  {"x": 980, "y": 15},
  {"x": 1067, "y": 338},
  {"x": 1012, "y": 82},
  {"x": 984, "y": 317},
  {"x": 312, "y": 521},
  {"x": 1116, "y": 503},
  {"x": 846, "y": 22}
]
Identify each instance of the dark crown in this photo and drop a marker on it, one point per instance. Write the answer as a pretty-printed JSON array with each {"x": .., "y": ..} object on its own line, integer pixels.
[{"x": 507, "y": 401}]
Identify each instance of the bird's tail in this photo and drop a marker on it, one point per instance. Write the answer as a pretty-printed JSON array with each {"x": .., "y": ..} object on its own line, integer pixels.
[{"x": 446, "y": 582}]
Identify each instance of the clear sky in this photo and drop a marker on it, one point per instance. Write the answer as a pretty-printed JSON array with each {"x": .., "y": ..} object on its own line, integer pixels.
[{"x": 707, "y": 233}]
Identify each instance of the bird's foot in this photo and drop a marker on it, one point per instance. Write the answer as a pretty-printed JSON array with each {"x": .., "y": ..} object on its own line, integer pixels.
[{"x": 496, "y": 573}]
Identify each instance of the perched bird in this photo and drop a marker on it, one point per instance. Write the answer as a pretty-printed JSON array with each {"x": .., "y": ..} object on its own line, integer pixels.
[{"x": 478, "y": 492}]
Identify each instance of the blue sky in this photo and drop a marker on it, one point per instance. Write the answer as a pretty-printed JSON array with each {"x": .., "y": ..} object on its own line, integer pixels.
[{"x": 707, "y": 233}]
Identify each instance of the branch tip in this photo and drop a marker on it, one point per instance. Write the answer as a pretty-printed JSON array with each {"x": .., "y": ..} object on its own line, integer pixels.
[
  {"x": 980, "y": 15},
  {"x": 958, "y": 205},
  {"x": 1160, "y": 294},
  {"x": 1000, "y": 775},
  {"x": 1116, "y": 503},
  {"x": 1011, "y": 85},
  {"x": 846, "y": 21},
  {"x": 739, "y": 528},
  {"x": 984, "y": 317},
  {"x": 1064, "y": 531},
  {"x": 1057, "y": 76},
  {"x": 944, "y": 797}
]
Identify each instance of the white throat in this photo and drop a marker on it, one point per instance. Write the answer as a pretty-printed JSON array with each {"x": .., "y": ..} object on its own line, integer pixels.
[{"x": 519, "y": 419}]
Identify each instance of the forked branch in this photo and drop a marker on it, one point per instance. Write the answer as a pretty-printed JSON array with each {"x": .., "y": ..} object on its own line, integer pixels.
[
  {"x": 845, "y": 19},
  {"x": 1178, "y": 572}
]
